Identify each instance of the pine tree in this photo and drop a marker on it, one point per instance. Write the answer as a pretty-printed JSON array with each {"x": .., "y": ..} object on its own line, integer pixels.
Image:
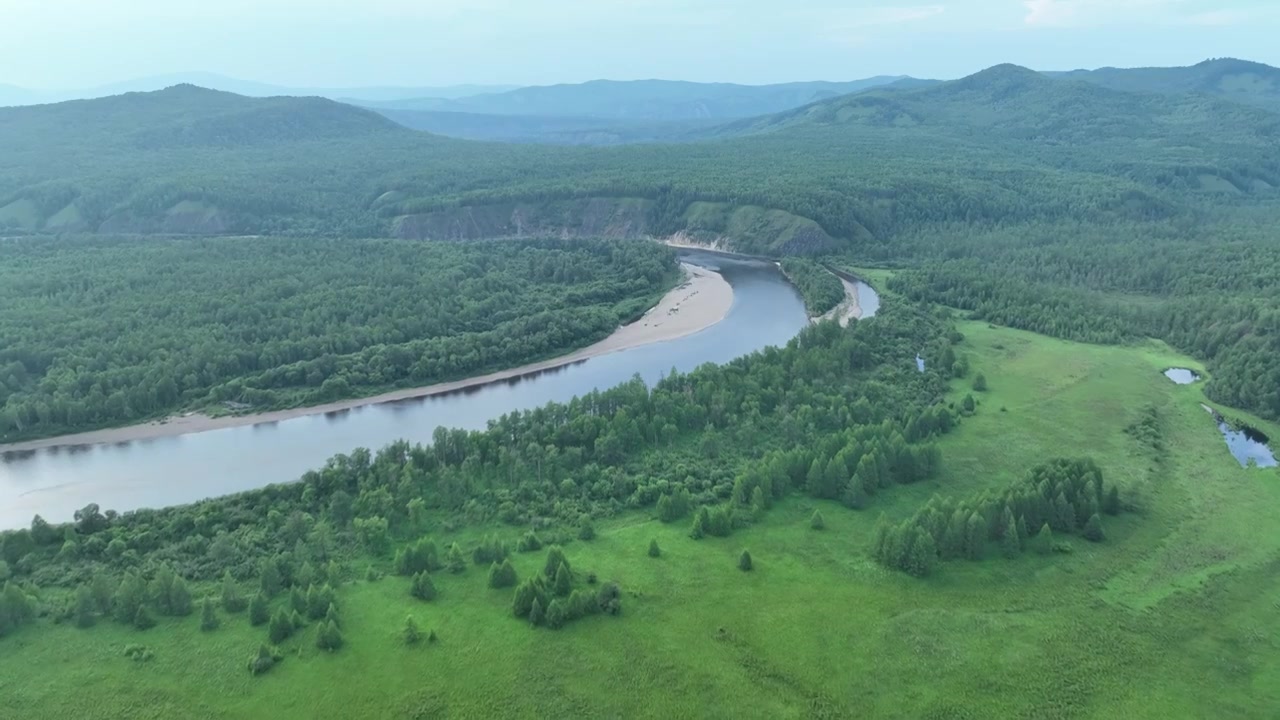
[
  {"x": 259, "y": 610},
  {"x": 455, "y": 560},
  {"x": 331, "y": 615},
  {"x": 968, "y": 404},
  {"x": 555, "y": 558},
  {"x": 411, "y": 635},
  {"x": 975, "y": 537},
  {"x": 523, "y": 600},
  {"x": 298, "y": 600},
  {"x": 744, "y": 562},
  {"x": 855, "y": 495},
  {"x": 654, "y": 550},
  {"x": 280, "y": 627},
  {"x": 1093, "y": 529},
  {"x": 1111, "y": 505},
  {"x": 880, "y": 543},
  {"x": 144, "y": 620},
  {"x": 816, "y": 522},
  {"x": 536, "y": 614},
  {"x": 586, "y": 528},
  {"x": 232, "y": 600},
  {"x": 502, "y": 576},
  {"x": 1009, "y": 543},
  {"x": 924, "y": 554},
  {"x": 563, "y": 582},
  {"x": 556, "y": 615},
  {"x": 699, "y": 529},
  {"x": 85, "y": 608},
  {"x": 665, "y": 510},
  {"x": 263, "y": 661},
  {"x": 1023, "y": 536},
  {"x": 758, "y": 502},
  {"x": 328, "y": 637},
  {"x": 980, "y": 383},
  {"x": 1044, "y": 540},
  {"x": 270, "y": 581},
  {"x": 423, "y": 588},
  {"x": 208, "y": 615}
]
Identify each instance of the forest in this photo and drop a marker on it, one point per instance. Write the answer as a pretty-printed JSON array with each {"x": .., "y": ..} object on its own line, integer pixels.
[
  {"x": 821, "y": 290},
  {"x": 103, "y": 331}
]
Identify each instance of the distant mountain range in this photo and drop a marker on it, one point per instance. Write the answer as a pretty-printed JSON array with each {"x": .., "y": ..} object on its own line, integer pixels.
[
  {"x": 663, "y": 100},
  {"x": 1240, "y": 81},
  {"x": 11, "y": 95}
]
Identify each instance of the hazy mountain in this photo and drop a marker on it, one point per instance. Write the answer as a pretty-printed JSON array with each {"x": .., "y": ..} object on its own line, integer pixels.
[
  {"x": 11, "y": 95},
  {"x": 546, "y": 129},
  {"x": 643, "y": 99},
  {"x": 1237, "y": 80}
]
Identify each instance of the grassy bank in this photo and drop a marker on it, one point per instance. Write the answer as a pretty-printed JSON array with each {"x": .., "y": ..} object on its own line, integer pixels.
[{"x": 1173, "y": 617}]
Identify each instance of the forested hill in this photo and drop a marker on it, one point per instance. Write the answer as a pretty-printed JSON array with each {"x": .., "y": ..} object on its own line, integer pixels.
[
  {"x": 643, "y": 99},
  {"x": 1004, "y": 146},
  {"x": 1241, "y": 81}
]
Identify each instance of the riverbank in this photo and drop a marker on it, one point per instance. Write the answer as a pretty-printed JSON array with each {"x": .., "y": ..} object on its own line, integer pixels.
[
  {"x": 701, "y": 301},
  {"x": 848, "y": 310}
]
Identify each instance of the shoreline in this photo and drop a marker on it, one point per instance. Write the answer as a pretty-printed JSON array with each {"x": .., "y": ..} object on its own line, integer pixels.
[
  {"x": 848, "y": 310},
  {"x": 698, "y": 303}
]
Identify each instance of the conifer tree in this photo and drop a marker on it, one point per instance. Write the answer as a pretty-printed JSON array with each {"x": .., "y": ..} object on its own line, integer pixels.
[
  {"x": 536, "y": 614},
  {"x": 555, "y": 558},
  {"x": 654, "y": 550},
  {"x": 1044, "y": 540},
  {"x": 455, "y": 560},
  {"x": 331, "y": 615},
  {"x": 502, "y": 576},
  {"x": 1010, "y": 544},
  {"x": 586, "y": 528},
  {"x": 232, "y": 600},
  {"x": 270, "y": 581},
  {"x": 564, "y": 583},
  {"x": 259, "y": 610},
  {"x": 297, "y": 600},
  {"x": 328, "y": 637},
  {"x": 556, "y": 616},
  {"x": 208, "y": 615},
  {"x": 924, "y": 554},
  {"x": 423, "y": 587},
  {"x": 1111, "y": 505},
  {"x": 522, "y": 602},
  {"x": 263, "y": 661},
  {"x": 144, "y": 620},
  {"x": 744, "y": 562},
  {"x": 699, "y": 529},
  {"x": 1093, "y": 529},
  {"x": 410, "y": 635},
  {"x": 1023, "y": 536},
  {"x": 980, "y": 383},
  {"x": 665, "y": 509},
  {"x": 280, "y": 627},
  {"x": 975, "y": 537},
  {"x": 816, "y": 521}
]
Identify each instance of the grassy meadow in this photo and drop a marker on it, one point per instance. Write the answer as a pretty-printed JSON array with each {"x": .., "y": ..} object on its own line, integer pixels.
[{"x": 1174, "y": 616}]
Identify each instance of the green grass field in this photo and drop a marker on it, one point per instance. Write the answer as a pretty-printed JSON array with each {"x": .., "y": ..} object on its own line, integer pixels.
[{"x": 1174, "y": 616}]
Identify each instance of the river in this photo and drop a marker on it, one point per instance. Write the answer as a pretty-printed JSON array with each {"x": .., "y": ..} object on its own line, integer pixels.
[{"x": 164, "y": 471}]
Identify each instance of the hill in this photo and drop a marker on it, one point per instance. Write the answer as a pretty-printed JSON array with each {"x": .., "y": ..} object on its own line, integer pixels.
[
  {"x": 1240, "y": 81},
  {"x": 1002, "y": 146},
  {"x": 643, "y": 99},
  {"x": 546, "y": 128},
  {"x": 13, "y": 96}
]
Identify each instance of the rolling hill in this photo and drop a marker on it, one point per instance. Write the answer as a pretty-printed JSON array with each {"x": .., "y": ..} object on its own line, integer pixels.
[
  {"x": 1240, "y": 81},
  {"x": 548, "y": 129},
  {"x": 1006, "y": 145},
  {"x": 662, "y": 100}
]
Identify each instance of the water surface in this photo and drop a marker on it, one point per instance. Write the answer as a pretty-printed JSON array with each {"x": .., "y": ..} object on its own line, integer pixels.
[
  {"x": 1182, "y": 376},
  {"x": 159, "y": 472}
]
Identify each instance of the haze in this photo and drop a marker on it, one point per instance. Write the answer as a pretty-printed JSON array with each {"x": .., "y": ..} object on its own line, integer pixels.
[{"x": 79, "y": 43}]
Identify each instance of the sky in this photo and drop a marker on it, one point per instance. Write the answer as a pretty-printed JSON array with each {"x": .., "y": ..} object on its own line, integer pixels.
[{"x": 62, "y": 44}]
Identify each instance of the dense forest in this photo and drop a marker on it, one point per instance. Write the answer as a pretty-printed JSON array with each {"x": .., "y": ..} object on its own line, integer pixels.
[
  {"x": 102, "y": 331},
  {"x": 821, "y": 290},
  {"x": 837, "y": 414}
]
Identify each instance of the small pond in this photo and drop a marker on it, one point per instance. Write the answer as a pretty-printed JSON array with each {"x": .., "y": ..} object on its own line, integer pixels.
[
  {"x": 1182, "y": 376},
  {"x": 1247, "y": 445}
]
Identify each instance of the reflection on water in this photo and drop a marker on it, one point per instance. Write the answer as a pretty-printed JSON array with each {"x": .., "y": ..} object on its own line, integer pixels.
[
  {"x": 173, "y": 470},
  {"x": 1249, "y": 446},
  {"x": 1182, "y": 376}
]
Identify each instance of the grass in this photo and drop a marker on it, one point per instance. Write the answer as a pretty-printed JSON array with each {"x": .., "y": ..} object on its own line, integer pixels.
[{"x": 1174, "y": 616}]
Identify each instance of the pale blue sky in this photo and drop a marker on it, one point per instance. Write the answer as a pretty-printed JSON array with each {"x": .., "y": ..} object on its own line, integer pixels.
[{"x": 76, "y": 43}]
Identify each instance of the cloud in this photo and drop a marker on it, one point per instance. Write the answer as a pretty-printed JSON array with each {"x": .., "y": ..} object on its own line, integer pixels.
[
  {"x": 870, "y": 17},
  {"x": 1077, "y": 13}
]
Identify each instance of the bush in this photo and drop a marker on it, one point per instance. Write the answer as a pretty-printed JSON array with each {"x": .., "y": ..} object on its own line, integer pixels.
[
  {"x": 264, "y": 659},
  {"x": 744, "y": 562},
  {"x": 817, "y": 522},
  {"x": 138, "y": 653},
  {"x": 654, "y": 550},
  {"x": 423, "y": 588},
  {"x": 411, "y": 635}
]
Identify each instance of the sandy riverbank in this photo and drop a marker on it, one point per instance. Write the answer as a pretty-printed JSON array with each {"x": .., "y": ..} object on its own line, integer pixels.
[
  {"x": 702, "y": 300},
  {"x": 848, "y": 310}
]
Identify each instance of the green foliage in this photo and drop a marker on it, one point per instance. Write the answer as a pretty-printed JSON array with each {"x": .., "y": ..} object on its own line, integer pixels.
[
  {"x": 329, "y": 637},
  {"x": 555, "y": 561},
  {"x": 146, "y": 323},
  {"x": 654, "y": 550},
  {"x": 232, "y": 600},
  {"x": 208, "y": 615},
  {"x": 281, "y": 627},
  {"x": 264, "y": 659},
  {"x": 744, "y": 562},
  {"x": 502, "y": 575},
  {"x": 259, "y": 610},
  {"x": 564, "y": 581},
  {"x": 1093, "y": 529},
  {"x": 423, "y": 587},
  {"x": 85, "y": 608},
  {"x": 979, "y": 383},
  {"x": 821, "y": 290},
  {"x": 144, "y": 620},
  {"x": 454, "y": 560},
  {"x": 537, "y": 616},
  {"x": 816, "y": 522},
  {"x": 410, "y": 634}
]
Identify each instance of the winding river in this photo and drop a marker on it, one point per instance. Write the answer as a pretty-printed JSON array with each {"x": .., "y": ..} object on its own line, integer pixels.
[{"x": 158, "y": 472}]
